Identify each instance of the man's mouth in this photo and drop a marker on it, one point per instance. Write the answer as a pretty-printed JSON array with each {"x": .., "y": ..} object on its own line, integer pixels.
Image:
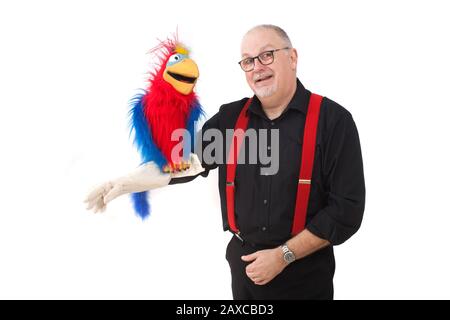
[
  {"x": 264, "y": 78},
  {"x": 181, "y": 78}
]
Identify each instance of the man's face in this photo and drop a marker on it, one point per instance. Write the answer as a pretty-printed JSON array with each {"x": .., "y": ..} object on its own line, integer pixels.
[{"x": 268, "y": 80}]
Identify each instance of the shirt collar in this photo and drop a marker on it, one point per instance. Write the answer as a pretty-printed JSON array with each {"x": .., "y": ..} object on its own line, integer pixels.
[{"x": 299, "y": 102}]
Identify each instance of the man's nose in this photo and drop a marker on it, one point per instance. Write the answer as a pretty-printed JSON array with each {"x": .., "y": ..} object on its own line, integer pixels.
[{"x": 258, "y": 65}]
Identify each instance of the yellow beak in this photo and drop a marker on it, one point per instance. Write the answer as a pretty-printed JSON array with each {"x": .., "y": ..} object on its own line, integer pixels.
[{"x": 182, "y": 75}]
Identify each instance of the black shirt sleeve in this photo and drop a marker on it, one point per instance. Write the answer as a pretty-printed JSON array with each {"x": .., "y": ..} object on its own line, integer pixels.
[
  {"x": 344, "y": 182},
  {"x": 198, "y": 148}
]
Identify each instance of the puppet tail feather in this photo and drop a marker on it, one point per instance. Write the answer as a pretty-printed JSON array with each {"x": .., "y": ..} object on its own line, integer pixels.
[{"x": 141, "y": 204}]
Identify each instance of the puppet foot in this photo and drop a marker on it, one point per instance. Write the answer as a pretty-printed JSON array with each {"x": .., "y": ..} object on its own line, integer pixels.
[{"x": 177, "y": 167}]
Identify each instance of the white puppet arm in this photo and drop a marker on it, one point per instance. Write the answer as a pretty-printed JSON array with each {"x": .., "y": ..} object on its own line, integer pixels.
[{"x": 146, "y": 177}]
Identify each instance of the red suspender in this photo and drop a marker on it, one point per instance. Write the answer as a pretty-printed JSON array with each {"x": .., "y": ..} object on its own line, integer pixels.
[
  {"x": 308, "y": 151},
  {"x": 307, "y": 161},
  {"x": 238, "y": 136}
]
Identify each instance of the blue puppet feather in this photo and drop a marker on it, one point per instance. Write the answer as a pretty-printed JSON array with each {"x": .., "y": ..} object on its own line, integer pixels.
[
  {"x": 194, "y": 116},
  {"x": 146, "y": 147},
  {"x": 141, "y": 204},
  {"x": 148, "y": 150},
  {"x": 142, "y": 134}
]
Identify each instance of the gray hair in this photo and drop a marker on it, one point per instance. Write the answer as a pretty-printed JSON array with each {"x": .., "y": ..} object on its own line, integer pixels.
[{"x": 280, "y": 32}]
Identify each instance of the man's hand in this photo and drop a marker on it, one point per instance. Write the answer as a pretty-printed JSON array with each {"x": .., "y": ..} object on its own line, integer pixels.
[{"x": 266, "y": 265}]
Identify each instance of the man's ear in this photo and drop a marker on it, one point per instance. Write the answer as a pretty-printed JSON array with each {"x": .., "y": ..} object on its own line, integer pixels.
[{"x": 293, "y": 58}]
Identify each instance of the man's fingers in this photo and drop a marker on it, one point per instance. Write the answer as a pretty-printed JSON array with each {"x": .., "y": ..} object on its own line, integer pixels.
[
  {"x": 257, "y": 280},
  {"x": 249, "y": 257}
]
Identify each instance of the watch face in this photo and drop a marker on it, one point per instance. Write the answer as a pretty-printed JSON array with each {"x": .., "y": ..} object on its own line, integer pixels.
[{"x": 289, "y": 257}]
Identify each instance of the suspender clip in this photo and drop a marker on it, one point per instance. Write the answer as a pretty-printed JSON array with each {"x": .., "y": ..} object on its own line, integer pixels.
[{"x": 237, "y": 234}]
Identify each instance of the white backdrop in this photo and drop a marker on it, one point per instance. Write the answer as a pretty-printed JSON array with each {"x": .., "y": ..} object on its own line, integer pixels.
[{"x": 67, "y": 70}]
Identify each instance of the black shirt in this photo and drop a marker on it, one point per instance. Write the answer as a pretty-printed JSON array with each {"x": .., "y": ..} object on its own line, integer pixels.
[{"x": 264, "y": 205}]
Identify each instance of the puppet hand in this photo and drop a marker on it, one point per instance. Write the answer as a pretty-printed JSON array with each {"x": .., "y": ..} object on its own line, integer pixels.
[
  {"x": 146, "y": 177},
  {"x": 95, "y": 198}
]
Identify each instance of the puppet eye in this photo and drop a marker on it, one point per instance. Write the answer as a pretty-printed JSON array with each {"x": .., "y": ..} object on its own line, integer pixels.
[{"x": 175, "y": 59}]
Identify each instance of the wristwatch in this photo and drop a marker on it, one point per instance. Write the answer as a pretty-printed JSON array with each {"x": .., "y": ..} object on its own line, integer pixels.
[{"x": 288, "y": 255}]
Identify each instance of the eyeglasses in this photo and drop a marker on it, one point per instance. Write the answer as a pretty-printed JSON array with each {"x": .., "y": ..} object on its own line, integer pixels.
[{"x": 265, "y": 58}]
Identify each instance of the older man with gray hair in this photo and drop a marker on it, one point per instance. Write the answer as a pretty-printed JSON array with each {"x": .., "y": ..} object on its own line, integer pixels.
[{"x": 286, "y": 224}]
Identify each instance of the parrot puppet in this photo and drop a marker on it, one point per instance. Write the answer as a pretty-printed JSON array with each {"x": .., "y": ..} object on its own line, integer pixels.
[{"x": 168, "y": 103}]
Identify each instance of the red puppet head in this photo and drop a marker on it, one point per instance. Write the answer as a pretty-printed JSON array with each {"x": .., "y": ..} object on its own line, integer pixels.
[{"x": 170, "y": 98}]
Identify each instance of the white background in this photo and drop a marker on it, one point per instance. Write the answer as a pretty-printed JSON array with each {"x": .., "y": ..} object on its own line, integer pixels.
[{"x": 67, "y": 70}]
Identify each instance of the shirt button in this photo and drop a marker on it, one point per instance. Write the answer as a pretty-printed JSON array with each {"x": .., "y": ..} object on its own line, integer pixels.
[
  {"x": 263, "y": 228},
  {"x": 268, "y": 148},
  {"x": 272, "y": 123},
  {"x": 265, "y": 201}
]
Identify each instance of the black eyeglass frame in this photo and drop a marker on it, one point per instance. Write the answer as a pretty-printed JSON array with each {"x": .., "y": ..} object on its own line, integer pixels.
[{"x": 259, "y": 59}]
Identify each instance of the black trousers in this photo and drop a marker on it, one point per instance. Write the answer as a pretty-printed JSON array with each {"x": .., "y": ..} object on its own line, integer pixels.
[{"x": 310, "y": 278}]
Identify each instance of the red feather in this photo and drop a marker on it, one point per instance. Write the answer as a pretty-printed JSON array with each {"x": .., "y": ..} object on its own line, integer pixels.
[{"x": 166, "y": 109}]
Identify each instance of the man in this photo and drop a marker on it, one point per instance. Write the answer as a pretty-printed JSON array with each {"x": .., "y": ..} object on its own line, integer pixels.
[
  {"x": 265, "y": 204},
  {"x": 267, "y": 259}
]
